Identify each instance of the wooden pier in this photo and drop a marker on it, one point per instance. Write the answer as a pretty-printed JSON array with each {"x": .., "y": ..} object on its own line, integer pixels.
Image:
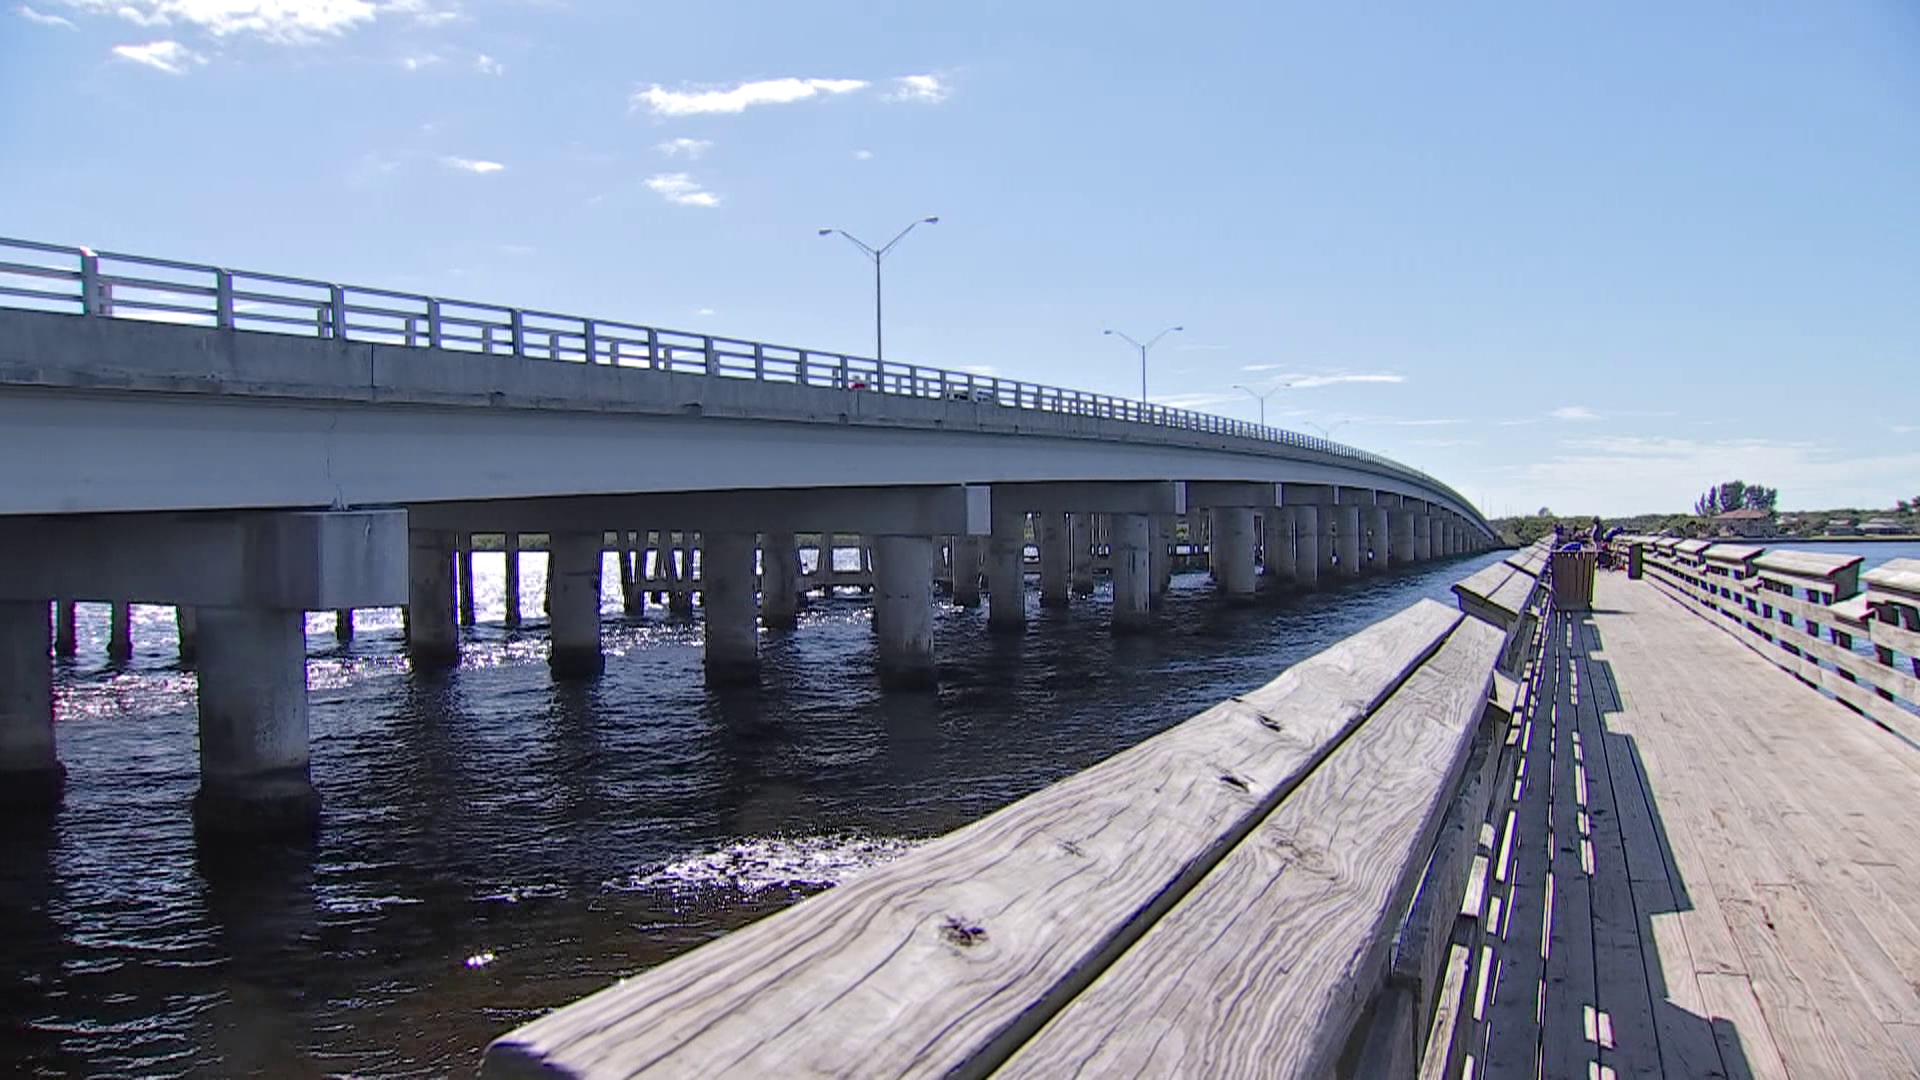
[{"x": 1520, "y": 839}]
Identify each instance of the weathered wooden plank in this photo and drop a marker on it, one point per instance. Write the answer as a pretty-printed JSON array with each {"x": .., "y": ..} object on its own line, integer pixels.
[
  {"x": 1516, "y": 594},
  {"x": 1733, "y": 554},
  {"x": 946, "y": 959},
  {"x": 1476, "y": 595},
  {"x": 1816, "y": 566},
  {"x": 1444, "y": 1050},
  {"x": 1740, "y": 1028},
  {"x": 1888, "y": 636},
  {"x": 1570, "y": 975},
  {"x": 1297, "y": 917},
  {"x": 1896, "y": 577}
]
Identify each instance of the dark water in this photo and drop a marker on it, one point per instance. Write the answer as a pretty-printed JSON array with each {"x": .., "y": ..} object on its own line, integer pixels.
[{"x": 493, "y": 845}]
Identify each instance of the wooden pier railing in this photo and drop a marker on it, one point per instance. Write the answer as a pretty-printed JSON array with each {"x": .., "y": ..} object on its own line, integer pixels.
[
  {"x": 1811, "y": 613},
  {"x": 1283, "y": 885}
]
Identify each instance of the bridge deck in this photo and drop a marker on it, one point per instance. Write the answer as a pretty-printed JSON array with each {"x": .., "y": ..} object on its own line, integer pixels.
[{"x": 1724, "y": 862}]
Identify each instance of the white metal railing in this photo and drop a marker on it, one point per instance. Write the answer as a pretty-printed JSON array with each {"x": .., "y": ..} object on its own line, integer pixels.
[{"x": 74, "y": 280}]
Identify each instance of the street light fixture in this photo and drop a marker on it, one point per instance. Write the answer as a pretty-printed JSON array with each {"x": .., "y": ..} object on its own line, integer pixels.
[
  {"x": 1327, "y": 433},
  {"x": 1262, "y": 398},
  {"x": 1143, "y": 353},
  {"x": 877, "y": 254}
]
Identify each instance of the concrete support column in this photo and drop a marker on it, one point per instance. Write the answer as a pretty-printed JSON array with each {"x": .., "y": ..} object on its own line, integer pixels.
[
  {"x": 65, "y": 637},
  {"x": 343, "y": 626},
  {"x": 1437, "y": 536},
  {"x": 433, "y": 640},
  {"x": 120, "y": 633},
  {"x": 1233, "y": 552},
  {"x": 1346, "y": 539},
  {"x": 1400, "y": 528},
  {"x": 464, "y": 550},
  {"x": 1282, "y": 552},
  {"x": 967, "y": 554},
  {"x": 512, "y": 549},
  {"x": 633, "y": 572},
  {"x": 1130, "y": 539},
  {"x": 903, "y": 611},
  {"x": 680, "y": 600},
  {"x": 186, "y": 623},
  {"x": 1380, "y": 529},
  {"x": 573, "y": 604},
  {"x": 253, "y": 722},
  {"x": 1307, "y": 559},
  {"x": 1055, "y": 558},
  {"x": 1160, "y": 534},
  {"x": 726, "y": 582},
  {"x": 1080, "y": 557},
  {"x": 31, "y": 775},
  {"x": 1006, "y": 578},
  {"x": 779, "y": 581},
  {"x": 1422, "y": 538}
]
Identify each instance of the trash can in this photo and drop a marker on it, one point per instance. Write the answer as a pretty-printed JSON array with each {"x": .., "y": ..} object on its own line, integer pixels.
[{"x": 1573, "y": 579}]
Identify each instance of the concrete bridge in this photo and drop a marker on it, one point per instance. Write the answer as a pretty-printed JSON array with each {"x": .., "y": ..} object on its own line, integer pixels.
[{"x": 250, "y": 447}]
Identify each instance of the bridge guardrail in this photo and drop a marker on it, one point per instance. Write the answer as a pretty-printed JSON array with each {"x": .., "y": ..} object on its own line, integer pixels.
[{"x": 78, "y": 280}]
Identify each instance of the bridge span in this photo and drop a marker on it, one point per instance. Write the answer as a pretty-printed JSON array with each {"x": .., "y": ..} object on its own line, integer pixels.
[{"x": 249, "y": 447}]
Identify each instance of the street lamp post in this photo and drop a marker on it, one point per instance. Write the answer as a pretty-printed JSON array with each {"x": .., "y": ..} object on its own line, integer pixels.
[
  {"x": 1326, "y": 433},
  {"x": 877, "y": 254},
  {"x": 1143, "y": 353},
  {"x": 1262, "y": 398}
]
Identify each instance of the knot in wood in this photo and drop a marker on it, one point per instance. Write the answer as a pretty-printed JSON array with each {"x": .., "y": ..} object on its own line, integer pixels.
[
  {"x": 1233, "y": 781},
  {"x": 962, "y": 933}
]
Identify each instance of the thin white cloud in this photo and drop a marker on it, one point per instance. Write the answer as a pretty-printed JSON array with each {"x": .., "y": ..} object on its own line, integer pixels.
[
  {"x": 472, "y": 165},
  {"x": 421, "y": 61},
  {"x": 663, "y": 102},
  {"x": 1903, "y": 429},
  {"x": 703, "y": 312},
  {"x": 924, "y": 89},
  {"x": 168, "y": 56},
  {"x": 681, "y": 189},
  {"x": 1519, "y": 423},
  {"x": 424, "y": 13},
  {"x": 1446, "y": 442},
  {"x": 1193, "y": 401},
  {"x": 1306, "y": 381},
  {"x": 487, "y": 65},
  {"x": 1574, "y": 412},
  {"x": 983, "y": 370},
  {"x": 863, "y": 155},
  {"x": 33, "y": 16},
  {"x": 280, "y": 21},
  {"x": 691, "y": 149},
  {"x": 1221, "y": 348}
]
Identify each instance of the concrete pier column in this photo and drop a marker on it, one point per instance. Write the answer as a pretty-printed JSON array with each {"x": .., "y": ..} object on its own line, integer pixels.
[
  {"x": 186, "y": 624},
  {"x": 633, "y": 571},
  {"x": 726, "y": 580},
  {"x": 1006, "y": 577},
  {"x": 343, "y": 626},
  {"x": 1436, "y": 536},
  {"x": 31, "y": 776},
  {"x": 967, "y": 555},
  {"x": 253, "y": 722},
  {"x": 65, "y": 638},
  {"x": 1130, "y": 538},
  {"x": 433, "y": 639},
  {"x": 464, "y": 559},
  {"x": 1233, "y": 552},
  {"x": 1279, "y": 549},
  {"x": 1161, "y": 530},
  {"x": 1307, "y": 559},
  {"x": 680, "y": 600},
  {"x": 120, "y": 633},
  {"x": 1422, "y": 536},
  {"x": 1381, "y": 531},
  {"x": 779, "y": 581},
  {"x": 1055, "y": 558},
  {"x": 1080, "y": 554},
  {"x": 1400, "y": 528},
  {"x": 512, "y": 587},
  {"x": 1346, "y": 539},
  {"x": 574, "y": 569},
  {"x": 903, "y": 611}
]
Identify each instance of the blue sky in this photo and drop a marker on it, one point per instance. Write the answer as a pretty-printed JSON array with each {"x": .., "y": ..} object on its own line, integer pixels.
[{"x": 1590, "y": 256}]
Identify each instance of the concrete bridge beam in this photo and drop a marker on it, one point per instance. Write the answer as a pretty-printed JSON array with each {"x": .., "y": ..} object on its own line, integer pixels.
[
  {"x": 933, "y": 510},
  {"x": 903, "y": 611},
  {"x": 1209, "y": 494},
  {"x": 1132, "y": 585},
  {"x": 1094, "y": 496},
  {"x": 31, "y": 776},
  {"x": 727, "y": 598}
]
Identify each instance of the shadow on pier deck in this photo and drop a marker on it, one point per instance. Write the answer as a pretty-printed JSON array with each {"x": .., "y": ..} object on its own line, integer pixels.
[{"x": 1710, "y": 868}]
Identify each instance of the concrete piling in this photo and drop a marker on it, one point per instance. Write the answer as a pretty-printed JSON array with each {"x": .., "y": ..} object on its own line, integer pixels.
[
  {"x": 1055, "y": 558},
  {"x": 433, "y": 638},
  {"x": 31, "y": 776},
  {"x": 903, "y": 611},
  {"x": 574, "y": 565},
  {"x": 726, "y": 579},
  {"x": 254, "y": 774},
  {"x": 1132, "y": 572}
]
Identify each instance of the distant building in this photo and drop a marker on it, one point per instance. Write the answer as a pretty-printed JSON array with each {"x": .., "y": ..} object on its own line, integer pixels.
[
  {"x": 1745, "y": 523},
  {"x": 1842, "y": 527},
  {"x": 1881, "y": 527}
]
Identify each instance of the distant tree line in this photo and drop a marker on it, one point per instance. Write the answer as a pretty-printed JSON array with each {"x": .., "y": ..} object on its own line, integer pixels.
[{"x": 1735, "y": 495}]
